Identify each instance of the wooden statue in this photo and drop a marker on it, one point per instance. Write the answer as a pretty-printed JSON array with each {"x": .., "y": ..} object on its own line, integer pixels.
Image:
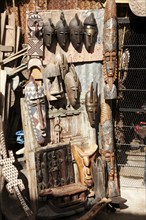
[
  {"x": 110, "y": 49},
  {"x": 83, "y": 159},
  {"x": 108, "y": 153}
]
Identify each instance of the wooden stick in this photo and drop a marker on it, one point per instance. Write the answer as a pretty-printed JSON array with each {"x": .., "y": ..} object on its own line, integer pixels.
[
  {"x": 17, "y": 70},
  {"x": 3, "y": 21},
  {"x": 97, "y": 207},
  {"x": 13, "y": 57},
  {"x": 2, "y": 28}
]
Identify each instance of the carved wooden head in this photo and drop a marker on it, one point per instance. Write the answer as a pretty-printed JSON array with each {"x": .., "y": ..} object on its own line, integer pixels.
[
  {"x": 76, "y": 32},
  {"x": 72, "y": 86},
  {"x": 91, "y": 103},
  {"x": 90, "y": 32},
  {"x": 62, "y": 30}
]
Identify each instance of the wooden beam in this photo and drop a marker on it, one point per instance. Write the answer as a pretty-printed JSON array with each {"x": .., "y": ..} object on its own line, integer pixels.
[
  {"x": 4, "y": 48},
  {"x": 122, "y": 1},
  {"x": 62, "y": 191}
]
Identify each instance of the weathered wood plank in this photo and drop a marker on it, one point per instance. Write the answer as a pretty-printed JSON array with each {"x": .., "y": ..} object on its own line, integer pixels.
[
  {"x": 3, "y": 79},
  {"x": 65, "y": 190},
  {"x": 10, "y": 32},
  {"x": 3, "y": 21},
  {"x": 4, "y": 48},
  {"x": 29, "y": 151}
]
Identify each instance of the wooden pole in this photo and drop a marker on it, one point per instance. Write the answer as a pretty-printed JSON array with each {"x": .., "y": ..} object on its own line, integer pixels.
[{"x": 97, "y": 207}]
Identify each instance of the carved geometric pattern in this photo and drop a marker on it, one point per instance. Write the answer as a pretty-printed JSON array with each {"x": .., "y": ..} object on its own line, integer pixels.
[
  {"x": 10, "y": 173},
  {"x": 35, "y": 47},
  {"x": 36, "y": 108},
  {"x": 31, "y": 93}
]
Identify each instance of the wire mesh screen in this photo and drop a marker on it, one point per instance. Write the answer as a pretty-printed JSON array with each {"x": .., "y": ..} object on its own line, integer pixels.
[{"x": 131, "y": 153}]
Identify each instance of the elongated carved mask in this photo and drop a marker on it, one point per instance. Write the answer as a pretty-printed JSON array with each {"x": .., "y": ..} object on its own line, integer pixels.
[
  {"x": 72, "y": 86},
  {"x": 53, "y": 82},
  {"x": 61, "y": 60},
  {"x": 90, "y": 32},
  {"x": 110, "y": 49},
  {"x": 91, "y": 103},
  {"x": 62, "y": 30},
  {"x": 76, "y": 32},
  {"x": 48, "y": 33},
  {"x": 35, "y": 99}
]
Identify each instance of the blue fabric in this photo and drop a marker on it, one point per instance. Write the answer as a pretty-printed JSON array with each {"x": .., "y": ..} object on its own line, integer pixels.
[{"x": 20, "y": 137}]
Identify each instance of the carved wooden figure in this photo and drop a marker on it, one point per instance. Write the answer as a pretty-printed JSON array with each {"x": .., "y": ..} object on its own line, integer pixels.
[
  {"x": 83, "y": 159},
  {"x": 110, "y": 49},
  {"x": 35, "y": 40},
  {"x": 107, "y": 152},
  {"x": 91, "y": 103}
]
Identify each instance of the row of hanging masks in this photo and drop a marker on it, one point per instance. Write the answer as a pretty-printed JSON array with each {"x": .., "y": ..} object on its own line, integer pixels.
[{"x": 76, "y": 32}]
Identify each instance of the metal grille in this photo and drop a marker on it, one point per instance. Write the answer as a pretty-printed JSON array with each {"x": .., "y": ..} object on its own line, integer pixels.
[{"x": 131, "y": 155}]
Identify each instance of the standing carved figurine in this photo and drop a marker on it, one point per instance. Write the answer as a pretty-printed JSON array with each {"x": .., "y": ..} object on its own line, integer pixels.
[
  {"x": 110, "y": 49},
  {"x": 108, "y": 154}
]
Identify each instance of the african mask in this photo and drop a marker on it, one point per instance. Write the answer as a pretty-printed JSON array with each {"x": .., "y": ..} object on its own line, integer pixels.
[
  {"x": 72, "y": 86},
  {"x": 35, "y": 25},
  {"x": 76, "y": 32},
  {"x": 110, "y": 49},
  {"x": 62, "y": 30},
  {"x": 35, "y": 99},
  {"x": 48, "y": 33},
  {"x": 53, "y": 82},
  {"x": 90, "y": 32},
  {"x": 91, "y": 103},
  {"x": 61, "y": 60}
]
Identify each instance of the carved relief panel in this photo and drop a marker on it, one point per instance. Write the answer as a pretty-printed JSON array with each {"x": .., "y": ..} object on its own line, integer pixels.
[
  {"x": 64, "y": 128},
  {"x": 54, "y": 167}
]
